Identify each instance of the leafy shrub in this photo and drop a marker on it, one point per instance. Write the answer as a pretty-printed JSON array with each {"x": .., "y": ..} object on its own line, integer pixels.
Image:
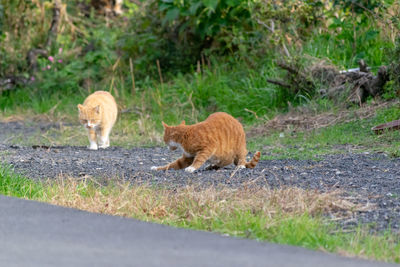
[
  {"x": 177, "y": 32},
  {"x": 23, "y": 25}
]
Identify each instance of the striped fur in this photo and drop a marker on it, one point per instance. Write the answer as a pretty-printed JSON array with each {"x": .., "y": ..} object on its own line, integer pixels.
[
  {"x": 254, "y": 161},
  {"x": 220, "y": 140}
]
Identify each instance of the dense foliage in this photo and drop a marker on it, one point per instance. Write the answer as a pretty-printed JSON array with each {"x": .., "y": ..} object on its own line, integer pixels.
[{"x": 195, "y": 52}]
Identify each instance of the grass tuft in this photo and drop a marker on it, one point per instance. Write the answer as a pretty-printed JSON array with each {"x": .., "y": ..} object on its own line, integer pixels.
[
  {"x": 287, "y": 215},
  {"x": 191, "y": 203}
]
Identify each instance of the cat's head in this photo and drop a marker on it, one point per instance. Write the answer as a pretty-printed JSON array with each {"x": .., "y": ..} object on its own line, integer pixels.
[
  {"x": 172, "y": 135},
  {"x": 90, "y": 117}
]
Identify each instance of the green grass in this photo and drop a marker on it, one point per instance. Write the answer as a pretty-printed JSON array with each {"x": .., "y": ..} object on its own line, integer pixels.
[
  {"x": 355, "y": 135},
  {"x": 132, "y": 130},
  {"x": 15, "y": 185},
  {"x": 191, "y": 97},
  {"x": 239, "y": 214}
]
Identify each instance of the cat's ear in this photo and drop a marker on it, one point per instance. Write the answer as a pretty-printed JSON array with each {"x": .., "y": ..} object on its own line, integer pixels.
[
  {"x": 164, "y": 125},
  {"x": 183, "y": 122},
  {"x": 97, "y": 109},
  {"x": 80, "y": 107}
]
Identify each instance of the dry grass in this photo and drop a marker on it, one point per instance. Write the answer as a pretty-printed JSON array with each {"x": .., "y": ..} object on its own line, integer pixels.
[
  {"x": 307, "y": 120},
  {"x": 191, "y": 203},
  {"x": 277, "y": 215}
]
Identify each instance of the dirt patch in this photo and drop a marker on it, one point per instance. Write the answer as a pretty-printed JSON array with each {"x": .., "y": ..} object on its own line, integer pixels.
[{"x": 306, "y": 120}]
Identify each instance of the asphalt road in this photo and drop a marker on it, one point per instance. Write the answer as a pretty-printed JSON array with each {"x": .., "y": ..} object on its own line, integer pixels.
[{"x": 39, "y": 234}]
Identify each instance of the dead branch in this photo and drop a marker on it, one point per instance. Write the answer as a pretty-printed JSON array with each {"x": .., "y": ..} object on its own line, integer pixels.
[
  {"x": 272, "y": 30},
  {"x": 280, "y": 83},
  {"x": 52, "y": 34},
  {"x": 297, "y": 80},
  {"x": 32, "y": 57},
  {"x": 363, "y": 66},
  {"x": 354, "y": 85},
  {"x": 362, "y": 83},
  {"x": 11, "y": 82}
]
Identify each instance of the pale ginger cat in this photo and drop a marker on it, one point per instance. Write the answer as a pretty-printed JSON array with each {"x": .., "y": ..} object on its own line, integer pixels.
[
  {"x": 220, "y": 139},
  {"x": 98, "y": 114}
]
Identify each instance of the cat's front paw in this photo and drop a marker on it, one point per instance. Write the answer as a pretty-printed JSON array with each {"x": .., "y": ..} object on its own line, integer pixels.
[
  {"x": 241, "y": 167},
  {"x": 93, "y": 147},
  {"x": 190, "y": 169},
  {"x": 103, "y": 146},
  {"x": 154, "y": 168}
]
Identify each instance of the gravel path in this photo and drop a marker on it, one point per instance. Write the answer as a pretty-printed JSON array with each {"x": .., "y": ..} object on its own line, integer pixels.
[{"x": 373, "y": 178}]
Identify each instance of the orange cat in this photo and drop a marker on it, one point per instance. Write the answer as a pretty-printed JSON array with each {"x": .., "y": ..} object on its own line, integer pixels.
[
  {"x": 220, "y": 139},
  {"x": 98, "y": 113}
]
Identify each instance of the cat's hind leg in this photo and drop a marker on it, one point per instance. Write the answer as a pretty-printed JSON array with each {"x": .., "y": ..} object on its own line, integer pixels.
[
  {"x": 178, "y": 164},
  {"x": 242, "y": 163},
  {"x": 240, "y": 160},
  {"x": 92, "y": 139}
]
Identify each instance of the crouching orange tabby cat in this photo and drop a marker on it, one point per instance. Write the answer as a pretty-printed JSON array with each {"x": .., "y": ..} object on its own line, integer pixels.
[
  {"x": 220, "y": 139},
  {"x": 98, "y": 114}
]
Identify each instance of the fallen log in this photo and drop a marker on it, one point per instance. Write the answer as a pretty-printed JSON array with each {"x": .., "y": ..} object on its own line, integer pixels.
[
  {"x": 359, "y": 85},
  {"x": 10, "y": 82},
  {"x": 355, "y": 85}
]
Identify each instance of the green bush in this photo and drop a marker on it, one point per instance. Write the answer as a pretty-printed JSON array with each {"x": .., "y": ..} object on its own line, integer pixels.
[
  {"x": 236, "y": 42},
  {"x": 177, "y": 32}
]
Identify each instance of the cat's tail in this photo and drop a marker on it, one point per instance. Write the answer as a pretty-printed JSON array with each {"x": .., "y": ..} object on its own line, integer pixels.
[{"x": 253, "y": 162}]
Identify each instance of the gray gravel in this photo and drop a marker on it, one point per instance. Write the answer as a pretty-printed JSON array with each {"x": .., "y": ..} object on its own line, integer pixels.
[{"x": 373, "y": 178}]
